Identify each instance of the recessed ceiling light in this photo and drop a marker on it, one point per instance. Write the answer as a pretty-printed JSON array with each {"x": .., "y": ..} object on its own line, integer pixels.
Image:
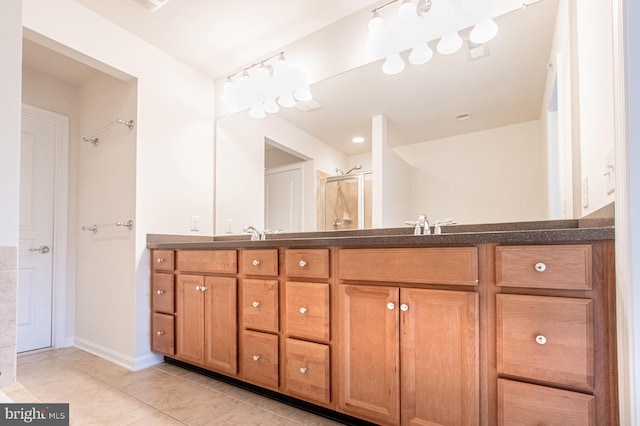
[
  {"x": 358, "y": 139},
  {"x": 463, "y": 116}
]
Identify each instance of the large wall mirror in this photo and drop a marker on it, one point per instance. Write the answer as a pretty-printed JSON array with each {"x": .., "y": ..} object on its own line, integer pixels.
[{"x": 488, "y": 134}]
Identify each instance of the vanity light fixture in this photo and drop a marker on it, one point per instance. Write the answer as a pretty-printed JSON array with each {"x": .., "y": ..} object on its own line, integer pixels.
[
  {"x": 266, "y": 86},
  {"x": 415, "y": 25}
]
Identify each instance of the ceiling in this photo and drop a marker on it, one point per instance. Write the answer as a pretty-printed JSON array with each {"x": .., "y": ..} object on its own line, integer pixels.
[{"x": 420, "y": 103}]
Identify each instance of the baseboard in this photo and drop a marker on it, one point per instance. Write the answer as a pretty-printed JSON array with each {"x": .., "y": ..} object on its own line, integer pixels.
[{"x": 130, "y": 363}]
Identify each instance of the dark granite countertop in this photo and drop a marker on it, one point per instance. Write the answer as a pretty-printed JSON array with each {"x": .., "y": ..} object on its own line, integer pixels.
[{"x": 556, "y": 231}]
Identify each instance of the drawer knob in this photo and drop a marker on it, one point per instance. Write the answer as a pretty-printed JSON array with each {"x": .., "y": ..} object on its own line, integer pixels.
[
  {"x": 159, "y": 291},
  {"x": 303, "y": 310},
  {"x": 541, "y": 340},
  {"x": 404, "y": 307},
  {"x": 302, "y": 263},
  {"x": 256, "y": 357},
  {"x": 540, "y": 267},
  {"x": 303, "y": 370},
  {"x": 255, "y": 304},
  {"x": 160, "y": 333},
  {"x": 255, "y": 262},
  {"x": 159, "y": 260},
  {"x": 203, "y": 288},
  {"x": 198, "y": 288},
  {"x": 391, "y": 306}
]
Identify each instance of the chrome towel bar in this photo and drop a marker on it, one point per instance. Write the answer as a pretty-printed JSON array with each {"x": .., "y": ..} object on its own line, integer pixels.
[{"x": 94, "y": 228}]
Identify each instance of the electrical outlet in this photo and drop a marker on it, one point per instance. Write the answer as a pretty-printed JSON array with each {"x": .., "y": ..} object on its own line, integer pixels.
[
  {"x": 585, "y": 192},
  {"x": 194, "y": 223}
]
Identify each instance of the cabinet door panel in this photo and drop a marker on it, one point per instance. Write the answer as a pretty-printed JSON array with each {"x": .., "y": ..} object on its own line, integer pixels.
[
  {"x": 220, "y": 325},
  {"x": 307, "y": 370},
  {"x": 162, "y": 293},
  {"x": 439, "y": 357},
  {"x": 368, "y": 357},
  {"x": 260, "y": 305},
  {"x": 190, "y": 319},
  {"x": 307, "y": 310},
  {"x": 162, "y": 333},
  {"x": 260, "y": 358}
]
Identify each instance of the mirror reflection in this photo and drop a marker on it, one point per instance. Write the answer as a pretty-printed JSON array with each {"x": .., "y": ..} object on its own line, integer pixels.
[{"x": 479, "y": 136}]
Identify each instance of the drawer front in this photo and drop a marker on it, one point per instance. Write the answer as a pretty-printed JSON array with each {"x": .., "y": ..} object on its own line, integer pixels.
[
  {"x": 307, "y": 263},
  {"x": 207, "y": 261},
  {"x": 260, "y": 305},
  {"x": 162, "y": 260},
  {"x": 557, "y": 267},
  {"x": 260, "y": 358},
  {"x": 163, "y": 294},
  {"x": 307, "y": 370},
  {"x": 307, "y": 310},
  {"x": 446, "y": 265},
  {"x": 260, "y": 262},
  {"x": 527, "y": 404},
  {"x": 162, "y": 334},
  {"x": 546, "y": 338}
]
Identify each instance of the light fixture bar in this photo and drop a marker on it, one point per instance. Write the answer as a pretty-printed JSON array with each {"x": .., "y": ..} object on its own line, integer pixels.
[
  {"x": 383, "y": 6},
  {"x": 262, "y": 62}
]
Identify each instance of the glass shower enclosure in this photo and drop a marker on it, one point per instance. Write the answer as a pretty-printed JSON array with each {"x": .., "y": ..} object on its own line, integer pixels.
[{"x": 347, "y": 201}]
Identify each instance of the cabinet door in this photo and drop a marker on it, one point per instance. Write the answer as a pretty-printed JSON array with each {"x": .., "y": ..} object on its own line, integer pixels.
[
  {"x": 368, "y": 357},
  {"x": 162, "y": 333},
  {"x": 162, "y": 293},
  {"x": 439, "y": 357},
  {"x": 307, "y": 310},
  {"x": 190, "y": 318},
  {"x": 220, "y": 326}
]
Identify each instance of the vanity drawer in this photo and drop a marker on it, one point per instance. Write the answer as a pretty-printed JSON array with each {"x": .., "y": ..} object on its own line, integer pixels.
[
  {"x": 260, "y": 304},
  {"x": 162, "y": 260},
  {"x": 307, "y": 310},
  {"x": 307, "y": 263},
  {"x": 162, "y": 293},
  {"x": 307, "y": 370},
  {"x": 207, "y": 261},
  {"x": 447, "y": 265},
  {"x": 546, "y": 338},
  {"x": 260, "y": 358},
  {"x": 550, "y": 266},
  {"x": 162, "y": 333},
  {"x": 260, "y": 262},
  {"x": 527, "y": 404}
]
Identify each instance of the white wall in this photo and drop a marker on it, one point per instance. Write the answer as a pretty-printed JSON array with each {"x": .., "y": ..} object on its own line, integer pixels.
[
  {"x": 595, "y": 62},
  {"x": 10, "y": 107},
  {"x": 240, "y": 168},
  {"x": 174, "y": 151},
  {"x": 495, "y": 175}
]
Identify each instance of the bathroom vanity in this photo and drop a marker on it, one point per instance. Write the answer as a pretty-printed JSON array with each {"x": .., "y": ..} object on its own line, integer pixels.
[{"x": 481, "y": 325}]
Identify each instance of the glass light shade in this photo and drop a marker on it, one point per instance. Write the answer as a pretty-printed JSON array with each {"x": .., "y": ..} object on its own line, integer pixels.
[
  {"x": 286, "y": 100},
  {"x": 484, "y": 31},
  {"x": 449, "y": 43},
  {"x": 270, "y": 106},
  {"x": 420, "y": 54},
  {"x": 393, "y": 64},
  {"x": 407, "y": 10},
  {"x": 376, "y": 24},
  {"x": 256, "y": 111},
  {"x": 303, "y": 94},
  {"x": 229, "y": 92}
]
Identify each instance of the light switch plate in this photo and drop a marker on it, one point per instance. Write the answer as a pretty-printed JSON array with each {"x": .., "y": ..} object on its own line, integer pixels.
[
  {"x": 194, "y": 223},
  {"x": 585, "y": 192}
]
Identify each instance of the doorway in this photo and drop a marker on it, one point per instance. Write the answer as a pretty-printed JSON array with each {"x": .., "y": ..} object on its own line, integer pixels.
[{"x": 43, "y": 228}]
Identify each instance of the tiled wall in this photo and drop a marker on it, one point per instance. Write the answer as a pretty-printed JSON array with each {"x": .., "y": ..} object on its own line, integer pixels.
[{"x": 8, "y": 300}]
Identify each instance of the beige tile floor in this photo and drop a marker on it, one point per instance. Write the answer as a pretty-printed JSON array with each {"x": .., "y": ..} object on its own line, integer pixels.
[{"x": 102, "y": 393}]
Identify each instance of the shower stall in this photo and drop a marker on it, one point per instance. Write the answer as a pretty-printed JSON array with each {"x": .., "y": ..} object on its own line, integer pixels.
[{"x": 347, "y": 200}]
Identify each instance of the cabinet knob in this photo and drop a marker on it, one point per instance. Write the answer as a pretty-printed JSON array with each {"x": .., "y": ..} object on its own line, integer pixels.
[
  {"x": 159, "y": 260},
  {"x": 540, "y": 267},
  {"x": 303, "y": 310},
  {"x": 404, "y": 307},
  {"x": 255, "y": 304},
  {"x": 256, "y": 357},
  {"x": 159, "y": 291},
  {"x": 303, "y": 370},
  {"x": 197, "y": 288},
  {"x": 203, "y": 288},
  {"x": 391, "y": 306},
  {"x": 302, "y": 263},
  {"x": 160, "y": 333},
  {"x": 255, "y": 262},
  {"x": 541, "y": 340}
]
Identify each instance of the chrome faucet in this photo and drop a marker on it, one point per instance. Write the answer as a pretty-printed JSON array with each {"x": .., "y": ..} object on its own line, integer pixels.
[
  {"x": 255, "y": 234},
  {"x": 438, "y": 224},
  {"x": 421, "y": 225}
]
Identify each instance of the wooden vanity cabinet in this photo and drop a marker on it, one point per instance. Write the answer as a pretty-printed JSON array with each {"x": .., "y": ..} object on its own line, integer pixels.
[
  {"x": 206, "y": 306},
  {"x": 408, "y": 355},
  {"x": 162, "y": 302}
]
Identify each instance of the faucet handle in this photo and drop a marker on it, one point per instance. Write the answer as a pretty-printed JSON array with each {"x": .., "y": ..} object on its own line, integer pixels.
[{"x": 438, "y": 224}]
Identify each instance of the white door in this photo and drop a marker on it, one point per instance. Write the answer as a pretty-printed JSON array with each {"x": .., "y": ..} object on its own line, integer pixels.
[
  {"x": 283, "y": 199},
  {"x": 35, "y": 267}
]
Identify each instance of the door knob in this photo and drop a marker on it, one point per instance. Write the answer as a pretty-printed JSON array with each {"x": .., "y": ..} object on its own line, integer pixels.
[{"x": 41, "y": 249}]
